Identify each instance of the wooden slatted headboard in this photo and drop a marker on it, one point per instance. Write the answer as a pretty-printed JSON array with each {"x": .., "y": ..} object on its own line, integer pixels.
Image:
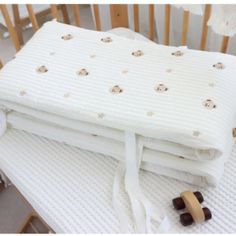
[{"x": 119, "y": 18}]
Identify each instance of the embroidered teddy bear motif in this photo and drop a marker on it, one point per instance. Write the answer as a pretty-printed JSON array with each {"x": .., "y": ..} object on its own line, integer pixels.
[
  {"x": 219, "y": 65},
  {"x": 116, "y": 89},
  {"x": 83, "y": 72},
  {"x": 234, "y": 132},
  {"x": 106, "y": 40},
  {"x": 42, "y": 69},
  {"x": 160, "y": 88},
  {"x": 137, "y": 53},
  {"x": 209, "y": 104},
  {"x": 67, "y": 37},
  {"x": 177, "y": 53},
  {"x": 23, "y": 93}
]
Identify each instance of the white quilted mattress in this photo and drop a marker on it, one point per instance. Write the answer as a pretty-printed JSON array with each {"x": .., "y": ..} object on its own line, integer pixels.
[
  {"x": 71, "y": 188},
  {"x": 182, "y": 99},
  {"x": 176, "y": 105}
]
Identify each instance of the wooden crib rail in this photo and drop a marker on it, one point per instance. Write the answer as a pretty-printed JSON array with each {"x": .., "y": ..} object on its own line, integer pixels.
[
  {"x": 76, "y": 12},
  {"x": 119, "y": 18},
  {"x": 136, "y": 17},
  {"x": 185, "y": 26},
  {"x": 54, "y": 10},
  {"x": 10, "y": 27},
  {"x": 206, "y": 17}
]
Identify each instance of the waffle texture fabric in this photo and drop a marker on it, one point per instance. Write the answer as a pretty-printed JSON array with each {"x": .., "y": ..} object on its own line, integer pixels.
[{"x": 71, "y": 188}]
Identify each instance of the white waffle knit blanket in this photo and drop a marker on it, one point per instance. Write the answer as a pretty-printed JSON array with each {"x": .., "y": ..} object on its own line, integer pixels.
[{"x": 175, "y": 106}]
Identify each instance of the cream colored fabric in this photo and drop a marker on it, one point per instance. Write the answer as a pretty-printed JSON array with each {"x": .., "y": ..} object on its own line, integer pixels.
[
  {"x": 159, "y": 92},
  {"x": 71, "y": 188},
  {"x": 159, "y": 74},
  {"x": 97, "y": 91},
  {"x": 223, "y": 19}
]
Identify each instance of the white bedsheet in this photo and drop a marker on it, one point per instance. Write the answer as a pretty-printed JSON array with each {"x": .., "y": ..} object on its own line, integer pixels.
[{"x": 71, "y": 188}]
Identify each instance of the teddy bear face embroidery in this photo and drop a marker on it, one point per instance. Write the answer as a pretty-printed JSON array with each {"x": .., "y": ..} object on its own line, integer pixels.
[
  {"x": 177, "y": 53},
  {"x": 23, "y": 93},
  {"x": 83, "y": 72},
  {"x": 219, "y": 66},
  {"x": 106, "y": 40},
  {"x": 160, "y": 88},
  {"x": 137, "y": 53},
  {"x": 42, "y": 69},
  {"x": 116, "y": 89},
  {"x": 209, "y": 104},
  {"x": 67, "y": 37}
]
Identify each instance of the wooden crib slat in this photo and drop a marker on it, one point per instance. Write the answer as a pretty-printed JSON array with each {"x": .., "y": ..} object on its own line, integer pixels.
[
  {"x": 151, "y": 22},
  {"x": 17, "y": 21},
  {"x": 65, "y": 15},
  {"x": 136, "y": 17},
  {"x": 1, "y": 65},
  {"x": 32, "y": 17},
  {"x": 167, "y": 24},
  {"x": 224, "y": 44},
  {"x": 185, "y": 27},
  {"x": 97, "y": 16},
  {"x": 75, "y": 8},
  {"x": 207, "y": 14},
  {"x": 10, "y": 27},
  {"x": 119, "y": 15},
  {"x": 54, "y": 11}
]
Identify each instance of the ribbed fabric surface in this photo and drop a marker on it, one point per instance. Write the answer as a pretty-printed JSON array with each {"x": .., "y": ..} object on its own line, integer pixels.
[
  {"x": 71, "y": 188},
  {"x": 165, "y": 93}
]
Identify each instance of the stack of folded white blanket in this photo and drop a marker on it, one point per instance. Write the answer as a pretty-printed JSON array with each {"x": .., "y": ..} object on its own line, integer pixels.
[{"x": 170, "y": 110}]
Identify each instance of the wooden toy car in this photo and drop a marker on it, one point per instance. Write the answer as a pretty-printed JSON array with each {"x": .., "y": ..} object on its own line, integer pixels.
[{"x": 192, "y": 202}]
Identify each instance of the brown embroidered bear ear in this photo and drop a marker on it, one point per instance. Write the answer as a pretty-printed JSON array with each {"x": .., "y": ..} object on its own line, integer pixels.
[
  {"x": 42, "y": 69},
  {"x": 83, "y": 72},
  {"x": 160, "y": 88},
  {"x": 177, "y": 53},
  {"x": 137, "y": 53},
  {"x": 67, "y": 37},
  {"x": 116, "y": 89},
  {"x": 219, "y": 66},
  {"x": 106, "y": 40},
  {"x": 209, "y": 104}
]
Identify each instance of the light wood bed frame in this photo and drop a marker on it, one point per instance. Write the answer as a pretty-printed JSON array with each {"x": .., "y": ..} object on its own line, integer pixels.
[
  {"x": 119, "y": 18},
  {"x": 19, "y": 22}
]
